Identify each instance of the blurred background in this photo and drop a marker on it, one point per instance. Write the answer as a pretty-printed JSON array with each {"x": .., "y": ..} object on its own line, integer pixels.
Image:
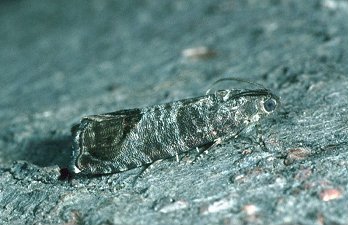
[{"x": 61, "y": 60}]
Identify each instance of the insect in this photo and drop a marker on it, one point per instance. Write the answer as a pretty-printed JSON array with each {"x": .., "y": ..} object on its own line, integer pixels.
[{"x": 125, "y": 139}]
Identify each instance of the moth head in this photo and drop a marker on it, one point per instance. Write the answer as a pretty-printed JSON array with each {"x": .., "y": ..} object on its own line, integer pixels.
[
  {"x": 257, "y": 104},
  {"x": 263, "y": 99}
]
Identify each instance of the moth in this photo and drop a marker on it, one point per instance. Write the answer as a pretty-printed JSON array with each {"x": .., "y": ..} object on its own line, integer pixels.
[{"x": 122, "y": 140}]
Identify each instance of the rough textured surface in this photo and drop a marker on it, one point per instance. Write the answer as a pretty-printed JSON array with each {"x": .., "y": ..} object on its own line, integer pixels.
[{"x": 61, "y": 60}]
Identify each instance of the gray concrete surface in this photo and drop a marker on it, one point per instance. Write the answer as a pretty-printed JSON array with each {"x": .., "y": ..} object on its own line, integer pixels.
[{"x": 61, "y": 60}]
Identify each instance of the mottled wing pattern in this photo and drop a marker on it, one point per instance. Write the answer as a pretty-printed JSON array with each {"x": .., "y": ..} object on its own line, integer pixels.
[{"x": 101, "y": 136}]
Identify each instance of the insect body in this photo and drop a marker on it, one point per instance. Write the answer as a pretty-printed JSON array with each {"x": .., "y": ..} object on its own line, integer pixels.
[{"x": 122, "y": 140}]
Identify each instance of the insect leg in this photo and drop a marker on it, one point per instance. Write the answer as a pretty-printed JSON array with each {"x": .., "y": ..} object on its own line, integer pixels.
[
  {"x": 205, "y": 148},
  {"x": 144, "y": 170},
  {"x": 257, "y": 138},
  {"x": 260, "y": 139}
]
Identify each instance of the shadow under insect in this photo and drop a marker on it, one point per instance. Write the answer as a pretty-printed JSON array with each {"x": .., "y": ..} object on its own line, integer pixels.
[{"x": 47, "y": 151}]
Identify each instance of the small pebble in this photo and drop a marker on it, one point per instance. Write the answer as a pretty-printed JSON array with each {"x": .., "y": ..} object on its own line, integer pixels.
[
  {"x": 198, "y": 53},
  {"x": 330, "y": 194}
]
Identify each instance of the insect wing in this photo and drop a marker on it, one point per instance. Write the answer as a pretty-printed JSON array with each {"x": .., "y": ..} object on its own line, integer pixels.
[{"x": 98, "y": 138}]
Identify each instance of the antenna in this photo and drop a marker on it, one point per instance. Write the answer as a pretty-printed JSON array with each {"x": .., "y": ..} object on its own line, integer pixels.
[{"x": 234, "y": 79}]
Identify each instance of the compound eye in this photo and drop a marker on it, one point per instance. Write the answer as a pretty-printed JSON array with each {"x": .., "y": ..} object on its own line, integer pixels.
[{"x": 270, "y": 104}]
